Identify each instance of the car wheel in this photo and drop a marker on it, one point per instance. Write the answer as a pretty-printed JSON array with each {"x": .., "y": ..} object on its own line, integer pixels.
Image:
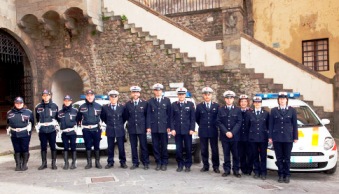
[
  {"x": 331, "y": 171},
  {"x": 197, "y": 154}
]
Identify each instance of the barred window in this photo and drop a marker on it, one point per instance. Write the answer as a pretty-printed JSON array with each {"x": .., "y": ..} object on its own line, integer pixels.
[{"x": 315, "y": 54}]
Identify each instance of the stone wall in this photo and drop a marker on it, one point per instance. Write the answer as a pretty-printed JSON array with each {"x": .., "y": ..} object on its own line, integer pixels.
[{"x": 207, "y": 23}]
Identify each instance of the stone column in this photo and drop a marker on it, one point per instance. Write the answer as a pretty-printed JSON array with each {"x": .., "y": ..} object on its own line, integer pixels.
[
  {"x": 233, "y": 26},
  {"x": 336, "y": 100}
]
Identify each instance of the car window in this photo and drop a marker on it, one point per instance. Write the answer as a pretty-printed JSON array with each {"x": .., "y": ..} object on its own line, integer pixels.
[{"x": 305, "y": 117}]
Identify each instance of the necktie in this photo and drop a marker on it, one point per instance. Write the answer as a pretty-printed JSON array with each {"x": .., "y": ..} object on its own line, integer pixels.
[
  {"x": 258, "y": 112},
  {"x": 158, "y": 100},
  {"x": 208, "y": 106},
  {"x": 135, "y": 103},
  {"x": 113, "y": 107},
  {"x": 180, "y": 104}
]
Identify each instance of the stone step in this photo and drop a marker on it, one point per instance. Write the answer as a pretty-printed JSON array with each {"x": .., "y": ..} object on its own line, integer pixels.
[
  {"x": 248, "y": 71},
  {"x": 256, "y": 75},
  {"x": 150, "y": 38},
  {"x": 173, "y": 51},
  {"x": 265, "y": 81},
  {"x": 189, "y": 60},
  {"x": 136, "y": 30},
  {"x": 165, "y": 46},
  {"x": 128, "y": 26},
  {"x": 143, "y": 34}
]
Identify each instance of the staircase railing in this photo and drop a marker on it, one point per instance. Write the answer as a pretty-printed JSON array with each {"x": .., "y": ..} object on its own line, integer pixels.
[{"x": 179, "y": 6}]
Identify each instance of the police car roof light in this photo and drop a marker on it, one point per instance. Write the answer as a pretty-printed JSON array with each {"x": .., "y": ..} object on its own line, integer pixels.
[
  {"x": 174, "y": 94},
  {"x": 97, "y": 97},
  {"x": 275, "y": 95}
]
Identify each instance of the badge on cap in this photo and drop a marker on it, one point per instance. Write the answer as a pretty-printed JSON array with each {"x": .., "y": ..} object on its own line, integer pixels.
[
  {"x": 229, "y": 93},
  {"x": 90, "y": 91},
  {"x": 206, "y": 90},
  {"x": 243, "y": 96},
  {"x": 113, "y": 93},
  {"x": 257, "y": 99},
  {"x": 181, "y": 90},
  {"x": 18, "y": 100},
  {"x": 282, "y": 95},
  {"x": 46, "y": 92},
  {"x": 135, "y": 89},
  {"x": 68, "y": 97},
  {"x": 158, "y": 86}
]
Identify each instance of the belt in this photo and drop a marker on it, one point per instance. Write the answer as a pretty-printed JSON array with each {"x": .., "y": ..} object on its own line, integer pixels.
[
  {"x": 68, "y": 129},
  {"x": 47, "y": 124},
  {"x": 19, "y": 129},
  {"x": 89, "y": 126}
]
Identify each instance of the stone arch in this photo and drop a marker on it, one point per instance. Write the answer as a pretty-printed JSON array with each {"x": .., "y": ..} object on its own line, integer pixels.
[{"x": 67, "y": 63}]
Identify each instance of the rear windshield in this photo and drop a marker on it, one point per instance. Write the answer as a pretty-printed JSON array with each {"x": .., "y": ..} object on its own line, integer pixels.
[{"x": 305, "y": 117}]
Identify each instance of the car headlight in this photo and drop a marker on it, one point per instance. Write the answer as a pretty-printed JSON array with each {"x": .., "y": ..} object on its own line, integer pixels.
[{"x": 329, "y": 143}]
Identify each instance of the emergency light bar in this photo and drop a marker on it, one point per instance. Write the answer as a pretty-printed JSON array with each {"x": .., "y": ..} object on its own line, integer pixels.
[
  {"x": 97, "y": 97},
  {"x": 275, "y": 95}
]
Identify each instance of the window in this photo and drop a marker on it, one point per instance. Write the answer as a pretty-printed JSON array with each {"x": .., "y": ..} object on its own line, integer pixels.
[{"x": 315, "y": 54}]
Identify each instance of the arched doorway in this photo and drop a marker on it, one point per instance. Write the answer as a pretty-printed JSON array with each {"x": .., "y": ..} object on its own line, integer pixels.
[
  {"x": 15, "y": 75},
  {"x": 66, "y": 81}
]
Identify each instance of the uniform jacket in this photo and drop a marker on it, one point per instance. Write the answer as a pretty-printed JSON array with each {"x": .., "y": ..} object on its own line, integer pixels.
[
  {"x": 207, "y": 119},
  {"x": 19, "y": 119},
  {"x": 114, "y": 119},
  {"x": 136, "y": 116},
  {"x": 257, "y": 125},
  {"x": 243, "y": 134},
  {"x": 183, "y": 118},
  {"x": 283, "y": 126},
  {"x": 45, "y": 113},
  {"x": 159, "y": 115},
  {"x": 229, "y": 121},
  {"x": 67, "y": 118},
  {"x": 89, "y": 113}
]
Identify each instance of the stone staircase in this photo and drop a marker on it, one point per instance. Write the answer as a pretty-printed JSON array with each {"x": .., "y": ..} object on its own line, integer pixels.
[{"x": 266, "y": 85}]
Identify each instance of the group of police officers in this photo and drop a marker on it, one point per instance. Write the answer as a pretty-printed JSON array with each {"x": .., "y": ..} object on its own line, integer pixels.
[{"x": 243, "y": 131}]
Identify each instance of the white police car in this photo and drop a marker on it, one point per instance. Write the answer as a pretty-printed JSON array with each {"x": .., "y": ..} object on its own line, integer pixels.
[
  {"x": 316, "y": 149},
  {"x": 80, "y": 143},
  {"x": 171, "y": 147}
]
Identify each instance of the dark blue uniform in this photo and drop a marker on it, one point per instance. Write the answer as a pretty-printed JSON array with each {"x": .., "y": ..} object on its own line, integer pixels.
[
  {"x": 243, "y": 146},
  {"x": 258, "y": 125},
  {"x": 115, "y": 118},
  {"x": 158, "y": 120},
  {"x": 136, "y": 115},
  {"x": 208, "y": 131},
  {"x": 283, "y": 131},
  {"x": 89, "y": 115},
  {"x": 230, "y": 121},
  {"x": 67, "y": 119},
  {"x": 183, "y": 121},
  {"x": 18, "y": 120},
  {"x": 45, "y": 114}
]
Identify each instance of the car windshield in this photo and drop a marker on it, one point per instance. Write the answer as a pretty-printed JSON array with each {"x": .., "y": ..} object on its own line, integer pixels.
[{"x": 305, "y": 117}]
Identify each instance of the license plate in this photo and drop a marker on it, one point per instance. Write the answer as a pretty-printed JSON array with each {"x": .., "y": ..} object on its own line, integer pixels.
[
  {"x": 171, "y": 147},
  {"x": 80, "y": 140}
]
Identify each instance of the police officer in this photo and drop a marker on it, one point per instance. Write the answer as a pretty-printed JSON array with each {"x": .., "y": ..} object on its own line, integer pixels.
[
  {"x": 20, "y": 121},
  {"x": 229, "y": 121},
  {"x": 257, "y": 121},
  {"x": 159, "y": 124},
  {"x": 89, "y": 118},
  {"x": 115, "y": 117},
  {"x": 46, "y": 115},
  {"x": 67, "y": 121},
  {"x": 243, "y": 147},
  {"x": 206, "y": 117},
  {"x": 283, "y": 132},
  {"x": 136, "y": 111},
  {"x": 182, "y": 128}
]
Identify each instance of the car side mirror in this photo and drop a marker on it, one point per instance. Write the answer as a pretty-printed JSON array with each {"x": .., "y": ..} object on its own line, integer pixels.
[{"x": 325, "y": 121}]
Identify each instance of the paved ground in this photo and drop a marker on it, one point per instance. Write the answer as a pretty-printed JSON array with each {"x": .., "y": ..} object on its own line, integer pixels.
[{"x": 119, "y": 180}]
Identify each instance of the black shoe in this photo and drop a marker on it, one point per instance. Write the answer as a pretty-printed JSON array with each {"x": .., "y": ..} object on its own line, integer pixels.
[
  {"x": 164, "y": 167},
  {"x": 287, "y": 179},
  {"x": 158, "y": 167},
  {"x": 123, "y": 165},
  {"x": 44, "y": 160},
  {"x": 109, "y": 165},
  {"x": 204, "y": 169},
  {"x": 54, "y": 153},
  {"x": 237, "y": 174},
  {"x": 146, "y": 167},
  {"x": 97, "y": 159},
  {"x": 179, "y": 169},
  {"x": 17, "y": 157},
  {"x": 216, "y": 170},
  {"x": 263, "y": 177},
  {"x": 188, "y": 169},
  {"x": 134, "y": 167},
  {"x": 280, "y": 180},
  {"x": 225, "y": 174},
  {"x": 256, "y": 176},
  {"x": 89, "y": 159}
]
